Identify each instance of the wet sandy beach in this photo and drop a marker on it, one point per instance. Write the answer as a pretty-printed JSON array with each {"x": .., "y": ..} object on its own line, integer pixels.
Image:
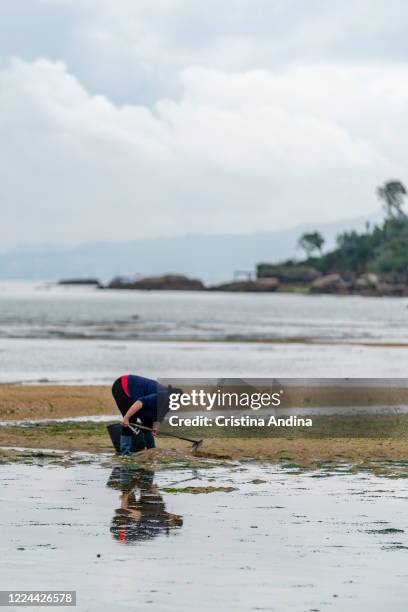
[
  {"x": 58, "y": 401},
  {"x": 302, "y": 451},
  {"x": 134, "y": 538},
  {"x": 352, "y": 438},
  {"x": 146, "y": 532}
]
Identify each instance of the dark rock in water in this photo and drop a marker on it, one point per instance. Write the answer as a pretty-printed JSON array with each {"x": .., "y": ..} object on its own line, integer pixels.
[
  {"x": 287, "y": 274},
  {"x": 260, "y": 285},
  {"x": 80, "y": 281},
  {"x": 167, "y": 282}
]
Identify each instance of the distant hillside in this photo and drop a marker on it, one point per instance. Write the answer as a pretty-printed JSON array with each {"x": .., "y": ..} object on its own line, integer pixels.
[{"x": 211, "y": 258}]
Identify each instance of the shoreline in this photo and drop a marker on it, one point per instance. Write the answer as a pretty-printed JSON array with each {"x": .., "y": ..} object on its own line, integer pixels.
[{"x": 332, "y": 443}]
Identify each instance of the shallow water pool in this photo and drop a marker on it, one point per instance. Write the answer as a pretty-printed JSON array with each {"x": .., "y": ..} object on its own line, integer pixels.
[{"x": 282, "y": 539}]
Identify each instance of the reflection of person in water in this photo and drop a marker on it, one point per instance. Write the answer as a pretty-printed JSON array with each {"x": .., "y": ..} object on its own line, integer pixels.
[{"x": 143, "y": 516}]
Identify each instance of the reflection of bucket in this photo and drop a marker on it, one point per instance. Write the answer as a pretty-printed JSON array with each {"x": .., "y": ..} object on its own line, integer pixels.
[{"x": 114, "y": 432}]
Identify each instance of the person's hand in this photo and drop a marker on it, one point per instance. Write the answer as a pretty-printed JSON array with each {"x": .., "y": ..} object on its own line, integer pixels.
[
  {"x": 125, "y": 421},
  {"x": 156, "y": 428}
]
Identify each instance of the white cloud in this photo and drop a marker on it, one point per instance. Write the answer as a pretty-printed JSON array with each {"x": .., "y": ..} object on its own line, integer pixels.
[
  {"x": 231, "y": 152},
  {"x": 132, "y": 51}
]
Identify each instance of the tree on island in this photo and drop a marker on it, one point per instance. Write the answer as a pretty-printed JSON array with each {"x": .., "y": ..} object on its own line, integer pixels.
[
  {"x": 393, "y": 194},
  {"x": 381, "y": 248},
  {"x": 311, "y": 241}
]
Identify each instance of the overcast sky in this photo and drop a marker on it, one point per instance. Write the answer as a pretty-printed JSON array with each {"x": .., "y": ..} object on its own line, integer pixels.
[{"x": 139, "y": 118}]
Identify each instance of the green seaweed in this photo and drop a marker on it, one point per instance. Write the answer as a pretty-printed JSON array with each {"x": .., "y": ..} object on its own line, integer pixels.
[
  {"x": 199, "y": 490},
  {"x": 386, "y": 530}
]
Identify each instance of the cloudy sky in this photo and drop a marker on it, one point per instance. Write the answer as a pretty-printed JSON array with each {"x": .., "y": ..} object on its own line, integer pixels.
[{"x": 141, "y": 118}]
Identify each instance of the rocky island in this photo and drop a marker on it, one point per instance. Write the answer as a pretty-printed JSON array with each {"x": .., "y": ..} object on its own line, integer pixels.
[{"x": 371, "y": 263}]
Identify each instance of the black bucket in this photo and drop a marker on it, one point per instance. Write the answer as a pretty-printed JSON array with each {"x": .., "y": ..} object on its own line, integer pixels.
[{"x": 114, "y": 432}]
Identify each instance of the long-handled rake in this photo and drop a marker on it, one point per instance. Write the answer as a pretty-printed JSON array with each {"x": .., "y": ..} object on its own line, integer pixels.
[{"x": 195, "y": 443}]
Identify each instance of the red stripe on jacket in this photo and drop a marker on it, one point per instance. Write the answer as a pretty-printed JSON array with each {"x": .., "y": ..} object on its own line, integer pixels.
[{"x": 125, "y": 384}]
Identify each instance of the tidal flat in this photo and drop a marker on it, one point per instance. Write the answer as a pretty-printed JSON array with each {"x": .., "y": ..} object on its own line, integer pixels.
[
  {"x": 357, "y": 439},
  {"x": 286, "y": 519},
  {"x": 137, "y": 535},
  {"x": 47, "y": 401}
]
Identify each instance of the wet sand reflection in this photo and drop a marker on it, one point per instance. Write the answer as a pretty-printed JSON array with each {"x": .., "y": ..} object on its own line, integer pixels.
[{"x": 142, "y": 513}]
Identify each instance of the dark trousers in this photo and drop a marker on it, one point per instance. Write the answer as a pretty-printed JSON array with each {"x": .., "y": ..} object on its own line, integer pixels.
[{"x": 124, "y": 402}]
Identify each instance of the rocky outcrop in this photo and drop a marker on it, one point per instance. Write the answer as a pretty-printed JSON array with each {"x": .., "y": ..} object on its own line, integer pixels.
[
  {"x": 331, "y": 283},
  {"x": 383, "y": 289},
  {"x": 367, "y": 284},
  {"x": 287, "y": 274},
  {"x": 167, "y": 282},
  {"x": 261, "y": 285},
  {"x": 369, "y": 280},
  {"x": 80, "y": 281}
]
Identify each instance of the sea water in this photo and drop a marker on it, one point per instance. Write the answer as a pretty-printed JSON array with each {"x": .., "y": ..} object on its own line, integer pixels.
[{"x": 88, "y": 335}]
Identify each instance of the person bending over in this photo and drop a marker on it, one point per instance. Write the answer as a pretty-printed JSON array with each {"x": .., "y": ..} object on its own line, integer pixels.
[{"x": 138, "y": 399}]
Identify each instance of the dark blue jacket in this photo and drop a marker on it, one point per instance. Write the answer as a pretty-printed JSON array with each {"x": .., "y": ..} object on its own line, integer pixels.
[{"x": 153, "y": 396}]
